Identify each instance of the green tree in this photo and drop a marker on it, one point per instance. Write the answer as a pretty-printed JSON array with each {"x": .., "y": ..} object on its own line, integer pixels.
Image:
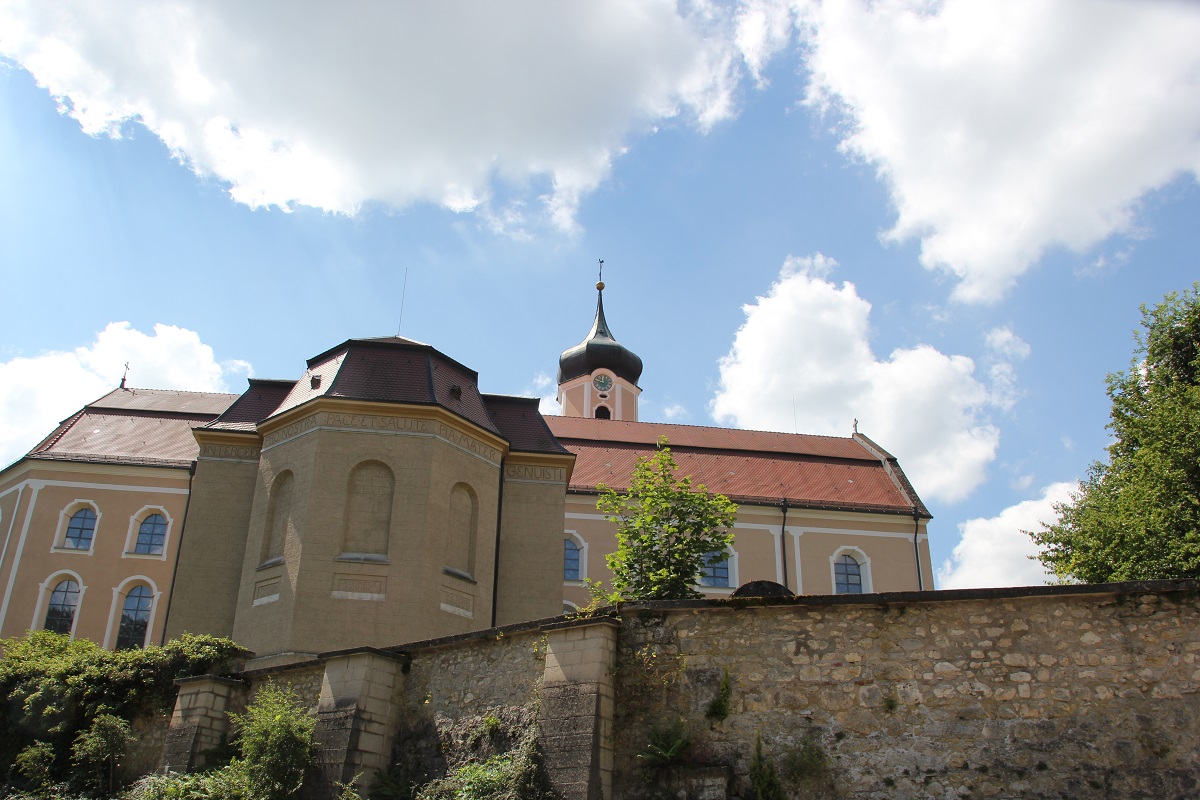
[
  {"x": 1137, "y": 517},
  {"x": 666, "y": 530}
]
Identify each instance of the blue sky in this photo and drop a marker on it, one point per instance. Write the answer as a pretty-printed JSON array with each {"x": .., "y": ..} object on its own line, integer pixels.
[{"x": 939, "y": 219}]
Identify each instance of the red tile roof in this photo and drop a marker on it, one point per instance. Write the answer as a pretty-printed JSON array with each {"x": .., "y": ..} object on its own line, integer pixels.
[
  {"x": 748, "y": 466},
  {"x": 173, "y": 401},
  {"x": 134, "y": 426}
]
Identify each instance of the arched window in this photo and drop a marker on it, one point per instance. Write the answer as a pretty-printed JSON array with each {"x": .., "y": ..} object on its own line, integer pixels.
[
  {"x": 60, "y": 613},
  {"x": 715, "y": 570},
  {"x": 602, "y": 412},
  {"x": 152, "y": 534},
  {"x": 462, "y": 524},
  {"x": 570, "y": 560},
  {"x": 368, "y": 509},
  {"x": 135, "y": 618},
  {"x": 80, "y": 530},
  {"x": 847, "y": 575},
  {"x": 279, "y": 517}
]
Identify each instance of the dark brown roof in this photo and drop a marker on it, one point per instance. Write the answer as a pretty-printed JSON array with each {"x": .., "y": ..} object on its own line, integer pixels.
[
  {"x": 257, "y": 403},
  {"x": 522, "y": 424},
  {"x": 749, "y": 466},
  {"x": 391, "y": 370},
  {"x": 151, "y": 427}
]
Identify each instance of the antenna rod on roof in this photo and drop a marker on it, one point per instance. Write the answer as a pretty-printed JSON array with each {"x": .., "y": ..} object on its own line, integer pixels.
[
  {"x": 125, "y": 375},
  {"x": 403, "y": 294}
]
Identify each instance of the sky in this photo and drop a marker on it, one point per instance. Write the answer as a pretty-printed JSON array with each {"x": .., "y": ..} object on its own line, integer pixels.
[{"x": 937, "y": 219}]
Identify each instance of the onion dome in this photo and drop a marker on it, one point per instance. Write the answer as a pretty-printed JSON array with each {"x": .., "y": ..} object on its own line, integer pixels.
[{"x": 599, "y": 351}]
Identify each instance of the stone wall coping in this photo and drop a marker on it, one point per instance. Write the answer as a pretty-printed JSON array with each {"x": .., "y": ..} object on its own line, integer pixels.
[
  {"x": 930, "y": 596},
  {"x": 374, "y": 651},
  {"x": 533, "y": 626},
  {"x": 223, "y": 679},
  {"x": 307, "y": 664}
]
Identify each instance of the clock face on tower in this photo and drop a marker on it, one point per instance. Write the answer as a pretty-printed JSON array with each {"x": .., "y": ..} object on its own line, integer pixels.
[{"x": 602, "y": 383}]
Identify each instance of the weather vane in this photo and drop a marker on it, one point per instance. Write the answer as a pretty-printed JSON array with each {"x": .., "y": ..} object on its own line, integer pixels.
[{"x": 600, "y": 276}]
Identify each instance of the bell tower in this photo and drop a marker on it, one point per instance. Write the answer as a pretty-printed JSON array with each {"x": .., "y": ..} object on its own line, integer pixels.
[{"x": 598, "y": 377}]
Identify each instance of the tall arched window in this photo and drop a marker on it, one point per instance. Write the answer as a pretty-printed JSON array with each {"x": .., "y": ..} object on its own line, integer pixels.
[
  {"x": 60, "y": 613},
  {"x": 279, "y": 517},
  {"x": 847, "y": 574},
  {"x": 570, "y": 560},
  {"x": 80, "y": 530},
  {"x": 152, "y": 533},
  {"x": 461, "y": 527},
  {"x": 368, "y": 509},
  {"x": 135, "y": 618}
]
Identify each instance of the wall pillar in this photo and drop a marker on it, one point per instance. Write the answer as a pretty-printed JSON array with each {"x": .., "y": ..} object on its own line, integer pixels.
[
  {"x": 200, "y": 720},
  {"x": 358, "y": 715},
  {"x": 576, "y": 713}
]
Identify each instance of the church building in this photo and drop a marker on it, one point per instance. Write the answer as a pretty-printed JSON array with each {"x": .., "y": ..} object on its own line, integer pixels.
[{"x": 383, "y": 498}]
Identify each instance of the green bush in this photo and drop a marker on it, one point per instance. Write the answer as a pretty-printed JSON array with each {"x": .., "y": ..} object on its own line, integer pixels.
[
  {"x": 277, "y": 743},
  {"x": 764, "y": 778},
  {"x": 518, "y": 774},
  {"x": 53, "y": 688},
  {"x": 276, "y": 753}
]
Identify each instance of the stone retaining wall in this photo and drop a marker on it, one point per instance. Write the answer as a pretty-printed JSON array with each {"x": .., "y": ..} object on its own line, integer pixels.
[
  {"x": 1044, "y": 692},
  {"x": 1054, "y": 693}
]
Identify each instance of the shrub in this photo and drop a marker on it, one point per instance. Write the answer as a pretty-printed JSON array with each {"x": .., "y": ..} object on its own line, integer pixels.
[
  {"x": 518, "y": 774},
  {"x": 718, "y": 708},
  {"x": 666, "y": 745},
  {"x": 277, "y": 743},
  {"x": 764, "y": 778}
]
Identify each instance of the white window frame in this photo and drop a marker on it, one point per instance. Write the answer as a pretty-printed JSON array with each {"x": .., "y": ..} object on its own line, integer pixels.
[
  {"x": 864, "y": 568},
  {"x": 43, "y": 603},
  {"x": 583, "y": 554},
  {"x": 733, "y": 576},
  {"x": 135, "y": 522},
  {"x": 118, "y": 605},
  {"x": 64, "y": 519}
]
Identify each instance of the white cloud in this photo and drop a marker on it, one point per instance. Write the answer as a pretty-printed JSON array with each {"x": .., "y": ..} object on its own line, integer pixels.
[
  {"x": 675, "y": 413},
  {"x": 993, "y": 551},
  {"x": 1006, "y": 344},
  {"x": 335, "y": 105},
  {"x": 1003, "y": 129},
  {"x": 39, "y": 392},
  {"x": 546, "y": 390},
  {"x": 804, "y": 346}
]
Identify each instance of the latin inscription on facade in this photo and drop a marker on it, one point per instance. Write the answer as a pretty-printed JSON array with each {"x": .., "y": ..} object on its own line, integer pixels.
[
  {"x": 370, "y": 422},
  {"x": 228, "y": 451},
  {"x": 522, "y": 472},
  {"x": 467, "y": 443}
]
